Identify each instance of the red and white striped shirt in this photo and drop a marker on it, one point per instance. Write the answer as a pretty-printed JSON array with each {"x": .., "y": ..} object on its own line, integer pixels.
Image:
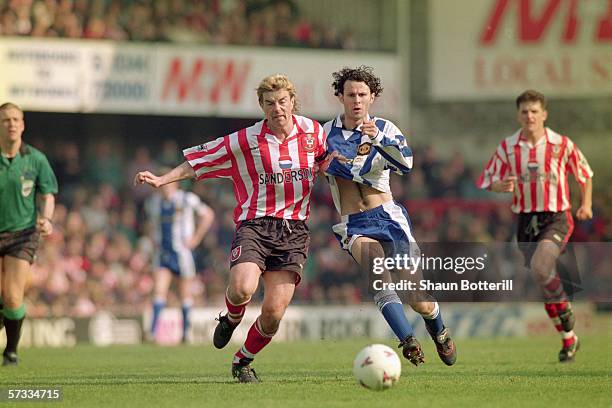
[
  {"x": 541, "y": 171},
  {"x": 270, "y": 178}
]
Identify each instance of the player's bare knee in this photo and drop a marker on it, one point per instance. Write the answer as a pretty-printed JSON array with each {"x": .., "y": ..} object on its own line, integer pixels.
[
  {"x": 273, "y": 313},
  {"x": 422, "y": 307},
  {"x": 161, "y": 294},
  {"x": 541, "y": 267},
  {"x": 239, "y": 293}
]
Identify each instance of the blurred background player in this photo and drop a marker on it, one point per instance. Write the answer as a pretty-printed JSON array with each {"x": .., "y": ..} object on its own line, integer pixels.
[
  {"x": 272, "y": 165},
  {"x": 27, "y": 187},
  {"x": 179, "y": 220},
  {"x": 373, "y": 224},
  {"x": 533, "y": 164}
]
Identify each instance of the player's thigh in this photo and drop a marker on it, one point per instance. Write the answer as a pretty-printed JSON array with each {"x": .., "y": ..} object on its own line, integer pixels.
[
  {"x": 544, "y": 257},
  {"x": 369, "y": 253},
  {"x": 163, "y": 278},
  {"x": 244, "y": 279},
  {"x": 279, "y": 287},
  {"x": 15, "y": 274},
  {"x": 365, "y": 249}
]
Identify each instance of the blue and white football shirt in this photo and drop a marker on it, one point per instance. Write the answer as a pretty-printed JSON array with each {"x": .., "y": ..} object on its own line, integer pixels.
[{"x": 370, "y": 160}]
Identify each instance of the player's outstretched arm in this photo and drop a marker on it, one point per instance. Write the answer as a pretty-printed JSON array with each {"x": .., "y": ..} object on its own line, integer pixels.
[
  {"x": 322, "y": 165},
  {"x": 181, "y": 172}
]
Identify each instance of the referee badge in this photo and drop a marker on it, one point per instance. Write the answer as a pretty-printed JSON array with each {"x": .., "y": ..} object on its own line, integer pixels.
[{"x": 26, "y": 186}]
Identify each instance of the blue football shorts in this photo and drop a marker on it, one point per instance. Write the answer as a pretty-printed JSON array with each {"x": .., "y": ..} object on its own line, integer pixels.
[
  {"x": 179, "y": 262},
  {"x": 388, "y": 224}
]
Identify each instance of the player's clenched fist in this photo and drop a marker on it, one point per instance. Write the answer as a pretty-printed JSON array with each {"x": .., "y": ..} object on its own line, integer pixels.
[
  {"x": 369, "y": 128},
  {"x": 44, "y": 226},
  {"x": 504, "y": 186},
  {"x": 147, "y": 177},
  {"x": 584, "y": 213}
]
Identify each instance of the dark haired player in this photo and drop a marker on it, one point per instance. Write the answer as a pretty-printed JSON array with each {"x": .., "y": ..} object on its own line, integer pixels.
[{"x": 373, "y": 224}]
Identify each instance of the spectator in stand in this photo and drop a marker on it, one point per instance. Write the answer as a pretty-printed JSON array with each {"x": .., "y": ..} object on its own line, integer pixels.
[
  {"x": 104, "y": 165},
  {"x": 8, "y": 22},
  {"x": 253, "y": 22},
  {"x": 141, "y": 160}
]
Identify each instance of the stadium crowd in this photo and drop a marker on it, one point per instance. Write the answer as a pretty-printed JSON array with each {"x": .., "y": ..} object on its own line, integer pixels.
[
  {"x": 99, "y": 254},
  {"x": 240, "y": 22}
]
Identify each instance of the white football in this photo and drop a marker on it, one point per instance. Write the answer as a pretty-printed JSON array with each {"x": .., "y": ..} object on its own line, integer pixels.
[{"x": 377, "y": 367}]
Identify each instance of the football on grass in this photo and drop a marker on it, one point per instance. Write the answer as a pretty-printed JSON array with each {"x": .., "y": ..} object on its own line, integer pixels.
[{"x": 377, "y": 367}]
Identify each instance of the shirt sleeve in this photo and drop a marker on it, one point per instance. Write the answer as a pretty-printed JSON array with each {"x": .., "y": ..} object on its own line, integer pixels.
[
  {"x": 197, "y": 204},
  {"x": 211, "y": 160},
  {"x": 321, "y": 150},
  {"x": 578, "y": 164},
  {"x": 495, "y": 170},
  {"x": 392, "y": 145},
  {"x": 46, "y": 182}
]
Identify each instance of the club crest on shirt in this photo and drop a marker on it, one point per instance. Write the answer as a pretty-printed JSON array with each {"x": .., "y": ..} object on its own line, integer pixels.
[
  {"x": 555, "y": 152},
  {"x": 309, "y": 142},
  {"x": 236, "y": 252},
  {"x": 364, "y": 149}
]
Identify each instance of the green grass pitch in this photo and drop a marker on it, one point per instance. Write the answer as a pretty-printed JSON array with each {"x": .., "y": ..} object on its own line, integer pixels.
[{"x": 489, "y": 372}]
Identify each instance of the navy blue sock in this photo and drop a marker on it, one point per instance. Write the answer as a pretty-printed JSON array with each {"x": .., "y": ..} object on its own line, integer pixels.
[
  {"x": 396, "y": 318},
  {"x": 158, "y": 306},
  {"x": 433, "y": 321},
  {"x": 186, "y": 322},
  {"x": 392, "y": 309}
]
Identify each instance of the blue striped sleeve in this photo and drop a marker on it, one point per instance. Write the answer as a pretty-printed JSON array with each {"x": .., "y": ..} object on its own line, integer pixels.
[{"x": 392, "y": 145}]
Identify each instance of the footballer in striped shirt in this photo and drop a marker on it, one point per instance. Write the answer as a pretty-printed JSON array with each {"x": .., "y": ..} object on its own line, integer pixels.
[
  {"x": 272, "y": 166},
  {"x": 533, "y": 164}
]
